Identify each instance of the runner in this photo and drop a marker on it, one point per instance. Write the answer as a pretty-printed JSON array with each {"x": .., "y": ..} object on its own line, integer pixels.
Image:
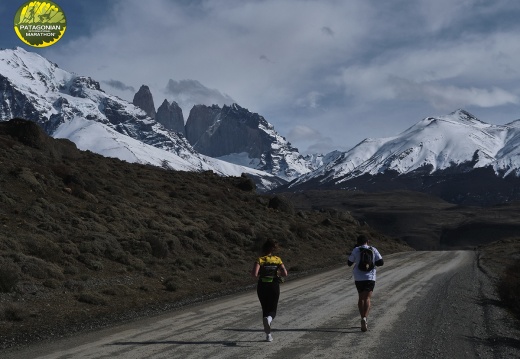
[
  {"x": 268, "y": 268},
  {"x": 364, "y": 275}
]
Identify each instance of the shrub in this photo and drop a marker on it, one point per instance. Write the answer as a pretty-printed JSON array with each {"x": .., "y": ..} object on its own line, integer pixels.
[
  {"x": 282, "y": 204},
  {"x": 509, "y": 287},
  {"x": 234, "y": 237},
  {"x": 91, "y": 298},
  {"x": 91, "y": 262},
  {"x": 51, "y": 283},
  {"x": 216, "y": 278},
  {"x": 74, "y": 285},
  {"x": 9, "y": 277},
  {"x": 159, "y": 247},
  {"x": 170, "y": 285},
  {"x": 245, "y": 183},
  {"x": 117, "y": 290},
  {"x": 44, "y": 249},
  {"x": 13, "y": 313},
  {"x": 183, "y": 264},
  {"x": 71, "y": 270}
]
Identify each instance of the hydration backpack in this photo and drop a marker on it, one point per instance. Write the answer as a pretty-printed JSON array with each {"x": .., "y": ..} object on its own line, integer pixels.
[{"x": 366, "y": 259}]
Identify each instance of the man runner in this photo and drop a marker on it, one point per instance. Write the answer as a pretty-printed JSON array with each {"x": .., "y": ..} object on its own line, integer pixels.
[{"x": 365, "y": 280}]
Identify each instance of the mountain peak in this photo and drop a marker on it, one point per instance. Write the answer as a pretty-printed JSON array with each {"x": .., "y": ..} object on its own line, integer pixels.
[
  {"x": 462, "y": 113},
  {"x": 144, "y": 100},
  {"x": 464, "y": 117}
]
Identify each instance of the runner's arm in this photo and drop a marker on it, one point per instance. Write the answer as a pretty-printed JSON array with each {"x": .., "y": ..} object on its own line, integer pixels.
[
  {"x": 254, "y": 271},
  {"x": 352, "y": 257},
  {"x": 282, "y": 270},
  {"x": 378, "y": 258}
]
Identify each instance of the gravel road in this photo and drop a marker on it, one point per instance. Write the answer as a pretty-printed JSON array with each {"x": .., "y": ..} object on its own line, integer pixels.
[{"x": 425, "y": 304}]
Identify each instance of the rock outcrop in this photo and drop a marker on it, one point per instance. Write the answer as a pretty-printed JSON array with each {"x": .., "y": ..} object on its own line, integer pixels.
[
  {"x": 144, "y": 100},
  {"x": 170, "y": 116}
]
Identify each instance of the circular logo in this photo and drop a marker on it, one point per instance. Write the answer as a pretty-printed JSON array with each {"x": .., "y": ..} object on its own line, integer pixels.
[{"x": 40, "y": 23}]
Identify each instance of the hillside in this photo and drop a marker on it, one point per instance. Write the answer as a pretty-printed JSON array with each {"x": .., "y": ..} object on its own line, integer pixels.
[
  {"x": 86, "y": 240},
  {"x": 424, "y": 221}
]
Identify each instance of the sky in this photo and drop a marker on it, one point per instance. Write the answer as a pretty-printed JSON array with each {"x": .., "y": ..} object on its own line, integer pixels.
[{"x": 325, "y": 73}]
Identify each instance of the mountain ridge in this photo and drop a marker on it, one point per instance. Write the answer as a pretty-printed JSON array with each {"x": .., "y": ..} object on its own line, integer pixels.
[
  {"x": 457, "y": 143},
  {"x": 231, "y": 139}
]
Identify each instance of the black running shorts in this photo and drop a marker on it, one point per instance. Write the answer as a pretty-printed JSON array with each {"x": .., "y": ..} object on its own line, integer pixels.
[{"x": 365, "y": 285}]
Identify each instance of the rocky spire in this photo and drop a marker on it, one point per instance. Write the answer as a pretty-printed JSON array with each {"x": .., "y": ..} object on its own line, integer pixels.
[
  {"x": 170, "y": 116},
  {"x": 144, "y": 100}
]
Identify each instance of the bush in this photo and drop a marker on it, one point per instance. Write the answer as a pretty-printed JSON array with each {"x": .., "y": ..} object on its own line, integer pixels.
[
  {"x": 91, "y": 262},
  {"x": 71, "y": 270},
  {"x": 170, "y": 285},
  {"x": 281, "y": 204},
  {"x": 74, "y": 285},
  {"x": 159, "y": 247},
  {"x": 9, "y": 277},
  {"x": 509, "y": 287},
  {"x": 13, "y": 313},
  {"x": 91, "y": 298},
  {"x": 51, "y": 283},
  {"x": 216, "y": 278},
  {"x": 119, "y": 290},
  {"x": 245, "y": 183}
]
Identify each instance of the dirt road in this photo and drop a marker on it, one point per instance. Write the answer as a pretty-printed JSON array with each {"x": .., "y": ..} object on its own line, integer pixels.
[{"x": 425, "y": 304}]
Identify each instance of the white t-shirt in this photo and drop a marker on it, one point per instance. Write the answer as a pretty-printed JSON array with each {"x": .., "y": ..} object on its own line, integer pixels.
[{"x": 359, "y": 274}]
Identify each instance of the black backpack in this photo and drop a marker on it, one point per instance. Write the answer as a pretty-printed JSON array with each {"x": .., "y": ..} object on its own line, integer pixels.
[{"x": 366, "y": 259}]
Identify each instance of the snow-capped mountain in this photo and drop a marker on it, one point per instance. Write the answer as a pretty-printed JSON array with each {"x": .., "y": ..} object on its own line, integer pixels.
[
  {"x": 457, "y": 142},
  {"x": 440, "y": 155},
  {"x": 75, "y": 107}
]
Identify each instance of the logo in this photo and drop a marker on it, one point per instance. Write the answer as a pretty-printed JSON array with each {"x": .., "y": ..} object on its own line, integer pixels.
[{"x": 40, "y": 23}]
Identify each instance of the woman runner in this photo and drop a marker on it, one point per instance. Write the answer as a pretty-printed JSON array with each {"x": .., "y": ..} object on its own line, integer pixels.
[{"x": 268, "y": 268}]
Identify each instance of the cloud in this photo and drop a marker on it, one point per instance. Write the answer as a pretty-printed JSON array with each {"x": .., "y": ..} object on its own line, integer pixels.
[
  {"x": 265, "y": 58},
  {"x": 119, "y": 85},
  {"x": 311, "y": 99},
  {"x": 450, "y": 97},
  {"x": 325, "y": 64},
  {"x": 191, "y": 92},
  {"x": 447, "y": 75},
  {"x": 314, "y": 141},
  {"x": 327, "y": 31},
  {"x": 300, "y": 132}
]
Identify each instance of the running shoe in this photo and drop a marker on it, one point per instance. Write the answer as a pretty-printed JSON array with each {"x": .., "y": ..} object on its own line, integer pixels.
[
  {"x": 268, "y": 338},
  {"x": 364, "y": 325},
  {"x": 267, "y": 325}
]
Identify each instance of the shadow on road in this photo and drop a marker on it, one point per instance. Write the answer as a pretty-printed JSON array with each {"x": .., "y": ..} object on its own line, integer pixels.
[
  {"x": 319, "y": 330},
  {"x": 236, "y": 343},
  {"x": 226, "y": 343}
]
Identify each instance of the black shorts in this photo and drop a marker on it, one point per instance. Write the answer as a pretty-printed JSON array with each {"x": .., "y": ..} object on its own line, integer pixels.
[{"x": 365, "y": 285}]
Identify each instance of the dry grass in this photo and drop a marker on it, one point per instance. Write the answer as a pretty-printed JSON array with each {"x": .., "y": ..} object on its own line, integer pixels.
[
  {"x": 509, "y": 287},
  {"x": 501, "y": 259}
]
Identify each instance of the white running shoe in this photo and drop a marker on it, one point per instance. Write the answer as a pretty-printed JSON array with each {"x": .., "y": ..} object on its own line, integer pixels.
[
  {"x": 364, "y": 325},
  {"x": 268, "y": 338}
]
